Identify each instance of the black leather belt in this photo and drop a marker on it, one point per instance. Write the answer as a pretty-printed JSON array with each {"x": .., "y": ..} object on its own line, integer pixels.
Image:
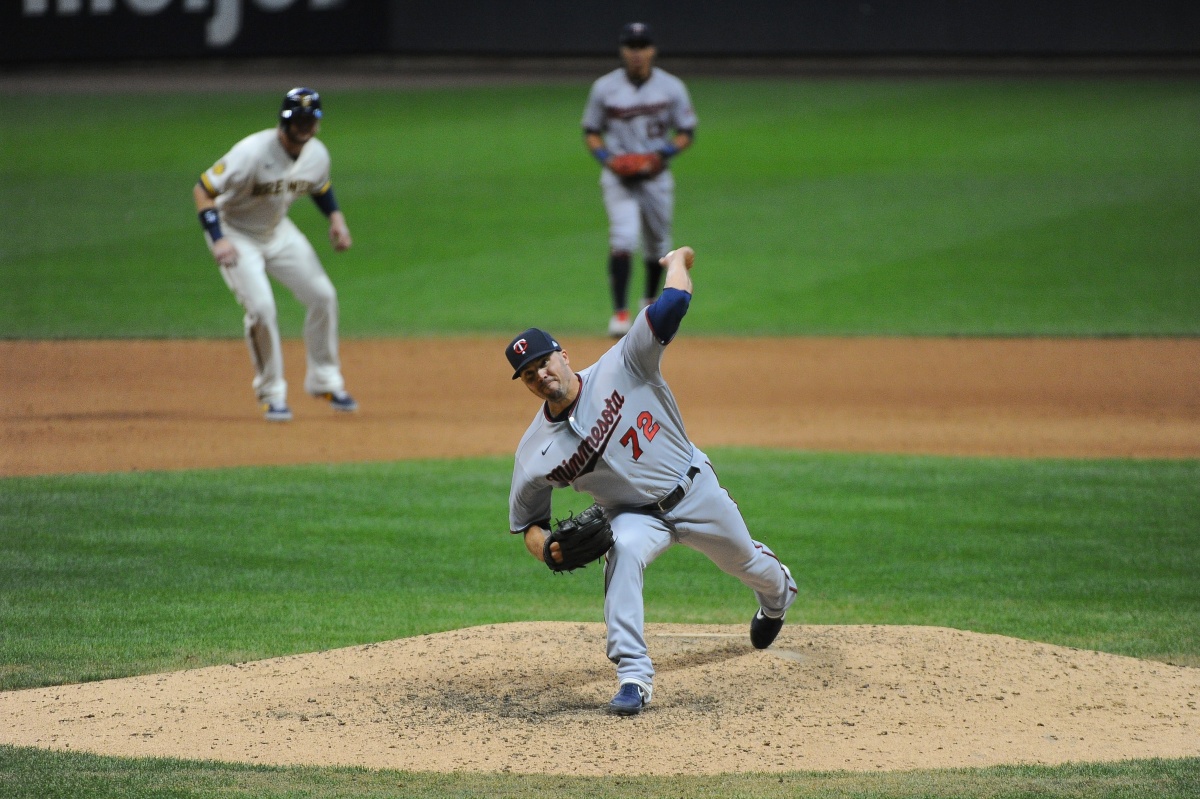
[{"x": 675, "y": 497}]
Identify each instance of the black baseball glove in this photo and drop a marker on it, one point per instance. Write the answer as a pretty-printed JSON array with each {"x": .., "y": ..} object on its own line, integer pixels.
[{"x": 581, "y": 540}]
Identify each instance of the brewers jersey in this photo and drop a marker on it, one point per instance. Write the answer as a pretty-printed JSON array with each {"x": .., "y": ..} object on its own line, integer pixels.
[{"x": 256, "y": 182}]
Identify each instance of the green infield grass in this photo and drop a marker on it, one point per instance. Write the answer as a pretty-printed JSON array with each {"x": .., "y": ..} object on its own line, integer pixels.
[
  {"x": 52, "y": 775},
  {"x": 111, "y": 575},
  {"x": 818, "y": 206}
]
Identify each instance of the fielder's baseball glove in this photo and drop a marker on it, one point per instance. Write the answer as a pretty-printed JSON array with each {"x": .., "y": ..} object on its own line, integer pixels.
[
  {"x": 636, "y": 165},
  {"x": 581, "y": 539}
]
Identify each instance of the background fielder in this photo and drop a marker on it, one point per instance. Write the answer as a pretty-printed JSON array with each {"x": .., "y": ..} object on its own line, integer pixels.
[
  {"x": 637, "y": 108},
  {"x": 243, "y": 200},
  {"x": 614, "y": 431}
]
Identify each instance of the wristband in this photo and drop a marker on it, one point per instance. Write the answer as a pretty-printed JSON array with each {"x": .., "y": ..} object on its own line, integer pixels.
[
  {"x": 669, "y": 150},
  {"x": 601, "y": 154},
  {"x": 210, "y": 220}
]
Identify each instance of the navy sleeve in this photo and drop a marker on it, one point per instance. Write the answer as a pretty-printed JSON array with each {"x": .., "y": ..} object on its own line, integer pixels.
[
  {"x": 326, "y": 201},
  {"x": 665, "y": 313}
]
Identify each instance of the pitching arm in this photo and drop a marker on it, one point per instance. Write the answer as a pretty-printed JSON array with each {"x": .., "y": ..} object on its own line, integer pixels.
[
  {"x": 679, "y": 264},
  {"x": 679, "y": 142}
]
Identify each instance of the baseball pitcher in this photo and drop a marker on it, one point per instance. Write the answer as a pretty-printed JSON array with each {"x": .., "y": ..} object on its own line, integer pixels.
[{"x": 614, "y": 431}]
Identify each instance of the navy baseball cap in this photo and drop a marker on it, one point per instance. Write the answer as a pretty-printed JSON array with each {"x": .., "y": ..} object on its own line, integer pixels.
[
  {"x": 637, "y": 34},
  {"x": 528, "y": 347}
]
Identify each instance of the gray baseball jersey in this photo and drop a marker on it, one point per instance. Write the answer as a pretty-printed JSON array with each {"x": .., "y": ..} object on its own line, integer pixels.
[
  {"x": 638, "y": 119},
  {"x": 624, "y": 442}
]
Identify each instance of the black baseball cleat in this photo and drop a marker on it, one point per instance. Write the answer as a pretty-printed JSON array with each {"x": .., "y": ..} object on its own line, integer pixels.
[
  {"x": 763, "y": 629},
  {"x": 629, "y": 700}
]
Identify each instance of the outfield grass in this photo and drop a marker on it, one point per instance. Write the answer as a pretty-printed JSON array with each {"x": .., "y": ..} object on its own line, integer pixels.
[{"x": 917, "y": 206}]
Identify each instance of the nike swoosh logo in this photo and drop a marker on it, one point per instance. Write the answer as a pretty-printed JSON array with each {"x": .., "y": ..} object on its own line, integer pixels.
[{"x": 546, "y": 448}]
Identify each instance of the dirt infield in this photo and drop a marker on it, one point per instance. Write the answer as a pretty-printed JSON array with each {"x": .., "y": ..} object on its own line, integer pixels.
[
  {"x": 138, "y": 405},
  {"x": 497, "y": 698}
]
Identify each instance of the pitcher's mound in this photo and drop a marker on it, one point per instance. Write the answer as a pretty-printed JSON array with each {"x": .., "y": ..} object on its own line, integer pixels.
[{"x": 529, "y": 697}]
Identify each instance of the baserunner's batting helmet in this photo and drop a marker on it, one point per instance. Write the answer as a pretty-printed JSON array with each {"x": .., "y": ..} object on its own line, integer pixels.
[{"x": 300, "y": 102}]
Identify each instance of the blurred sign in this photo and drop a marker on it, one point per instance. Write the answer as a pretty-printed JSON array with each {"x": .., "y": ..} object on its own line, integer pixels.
[{"x": 116, "y": 29}]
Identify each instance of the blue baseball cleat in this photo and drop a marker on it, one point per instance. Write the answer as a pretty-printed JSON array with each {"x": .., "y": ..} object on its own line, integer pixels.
[
  {"x": 629, "y": 700},
  {"x": 341, "y": 401},
  {"x": 277, "y": 412}
]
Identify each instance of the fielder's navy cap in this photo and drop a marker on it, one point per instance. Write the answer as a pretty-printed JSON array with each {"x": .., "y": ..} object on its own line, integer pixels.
[
  {"x": 637, "y": 34},
  {"x": 529, "y": 346}
]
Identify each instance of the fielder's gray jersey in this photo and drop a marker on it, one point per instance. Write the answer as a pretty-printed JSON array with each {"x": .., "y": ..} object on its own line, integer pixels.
[
  {"x": 624, "y": 441},
  {"x": 256, "y": 181},
  {"x": 638, "y": 119}
]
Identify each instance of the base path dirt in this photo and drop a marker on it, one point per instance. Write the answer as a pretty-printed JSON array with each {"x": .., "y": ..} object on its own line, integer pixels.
[
  {"x": 71, "y": 406},
  {"x": 519, "y": 697}
]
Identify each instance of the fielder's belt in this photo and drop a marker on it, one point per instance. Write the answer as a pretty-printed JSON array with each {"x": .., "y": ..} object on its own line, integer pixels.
[{"x": 667, "y": 503}]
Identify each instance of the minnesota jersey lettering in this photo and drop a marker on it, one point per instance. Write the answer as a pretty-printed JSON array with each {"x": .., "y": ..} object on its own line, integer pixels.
[
  {"x": 592, "y": 447},
  {"x": 629, "y": 112}
]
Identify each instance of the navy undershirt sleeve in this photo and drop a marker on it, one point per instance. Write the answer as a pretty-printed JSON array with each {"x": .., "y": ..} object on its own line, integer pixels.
[
  {"x": 665, "y": 313},
  {"x": 326, "y": 201}
]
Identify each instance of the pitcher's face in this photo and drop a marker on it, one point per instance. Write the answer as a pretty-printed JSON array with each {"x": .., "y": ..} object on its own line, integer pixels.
[{"x": 549, "y": 377}]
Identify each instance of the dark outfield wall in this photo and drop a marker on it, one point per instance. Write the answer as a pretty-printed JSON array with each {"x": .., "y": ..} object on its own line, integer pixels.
[{"x": 66, "y": 30}]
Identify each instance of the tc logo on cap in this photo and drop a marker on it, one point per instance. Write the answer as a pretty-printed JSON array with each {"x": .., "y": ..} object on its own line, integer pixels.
[{"x": 527, "y": 346}]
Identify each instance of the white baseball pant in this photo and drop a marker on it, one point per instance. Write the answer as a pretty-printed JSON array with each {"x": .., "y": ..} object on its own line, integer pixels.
[{"x": 288, "y": 257}]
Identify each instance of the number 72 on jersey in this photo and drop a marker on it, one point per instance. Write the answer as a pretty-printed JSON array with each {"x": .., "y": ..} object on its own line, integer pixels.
[{"x": 631, "y": 439}]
